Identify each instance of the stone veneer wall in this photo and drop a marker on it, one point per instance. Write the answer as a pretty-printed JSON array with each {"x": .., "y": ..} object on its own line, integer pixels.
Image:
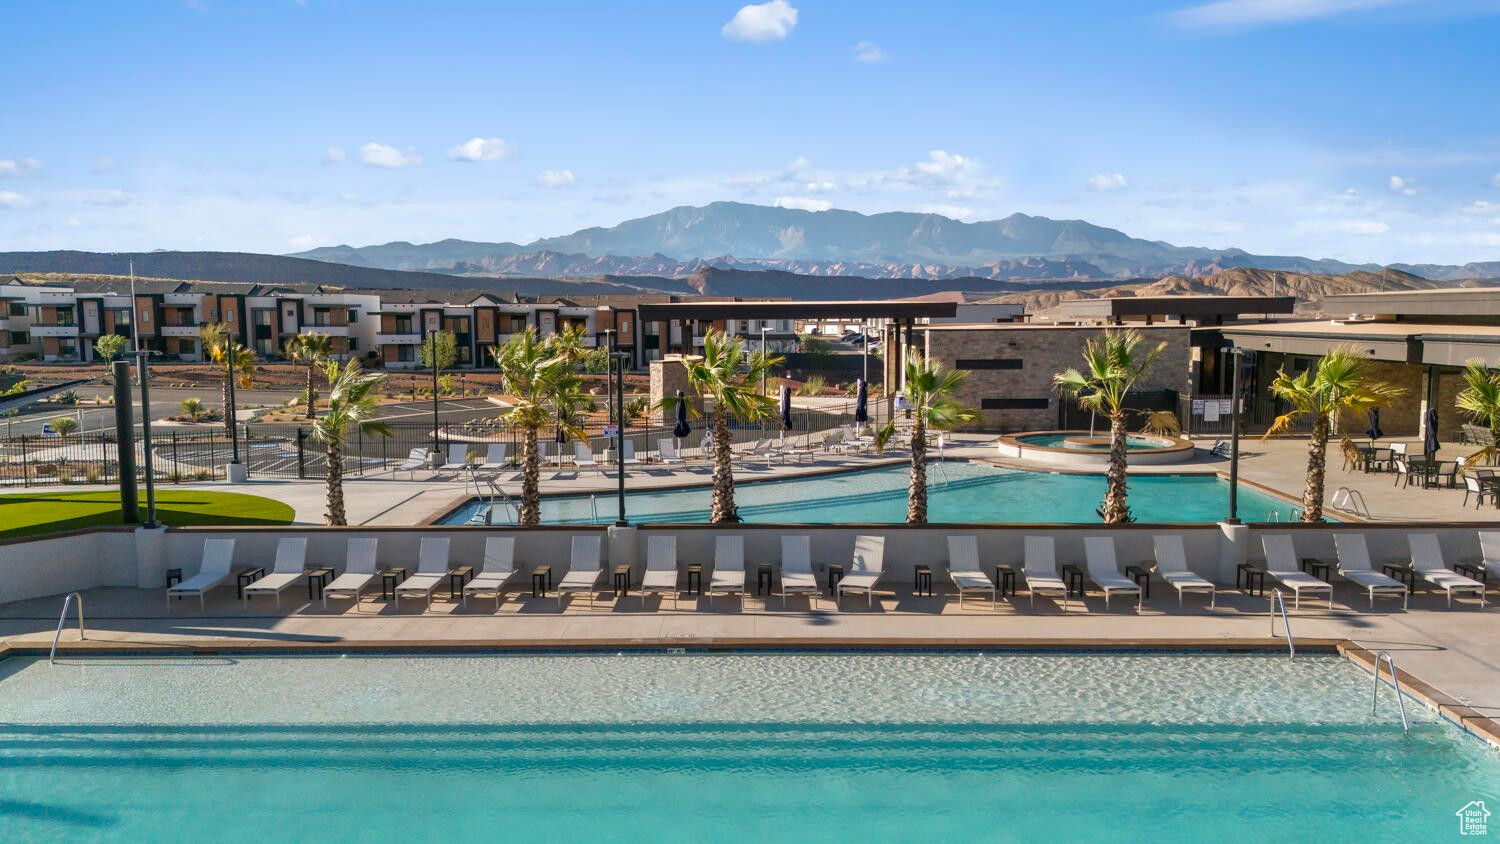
[
  {"x": 668, "y": 375},
  {"x": 1043, "y": 352}
]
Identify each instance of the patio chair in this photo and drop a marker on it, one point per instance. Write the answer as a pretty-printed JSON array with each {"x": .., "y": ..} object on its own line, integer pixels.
[
  {"x": 359, "y": 570},
  {"x": 416, "y": 459},
  {"x": 584, "y": 569},
  {"x": 1104, "y": 570},
  {"x": 458, "y": 458},
  {"x": 290, "y": 567},
  {"x": 1282, "y": 566},
  {"x": 1040, "y": 569},
  {"x": 495, "y": 458},
  {"x": 865, "y": 569},
  {"x": 964, "y": 571},
  {"x": 432, "y": 567},
  {"x": 630, "y": 459},
  {"x": 1473, "y": 486},
  {"x": 1354, "y": 565},
  {"x": 796, "y": 568},
  {"x": 661, "y": 567},
  {"x": 729, "y": 566},
  {"x": 1172, "y": 565},
  {"x": 213, "y": 570},
  {"x": 666, "y": 451},
  {"x": 1427, "y": 561},
  {"x": 496, "y": 571},
  {"x": 791, "y": 450},
  {"x": 583, "y": 458}
]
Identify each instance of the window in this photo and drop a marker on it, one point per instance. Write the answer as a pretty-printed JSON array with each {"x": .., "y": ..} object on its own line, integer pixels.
[
  {"x": 229, "y": 316},
  {"x": 20, "y": 338},
  {"x": 18, "y": 309},
  {"x": 1014, "y": 404},
  {"x": 406, "y": 354},
  {"x": 624, "y": 327},
  {"x": 213, "y": 314},
  {"x": 353, "y": 344},
  {"x": 987, "y": 363},
  {"x": 353, "y": 315},
  {"x": 146, "y": 316}
]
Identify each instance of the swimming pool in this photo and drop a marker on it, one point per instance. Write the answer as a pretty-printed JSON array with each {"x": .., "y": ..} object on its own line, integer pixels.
[
  {"x": 1083, "y": 441},
  {"x": 958, "y": 492},
  {"x": 725, "y": 747}
]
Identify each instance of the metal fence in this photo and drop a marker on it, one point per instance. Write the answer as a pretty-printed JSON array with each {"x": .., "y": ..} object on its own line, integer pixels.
[
  {"x": 178, "y": 456},
  {"x": 1211, "y": 415}
]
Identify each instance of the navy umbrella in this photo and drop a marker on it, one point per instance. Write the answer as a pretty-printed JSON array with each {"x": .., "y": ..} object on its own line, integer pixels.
[
  {"x": 786, "y": 407},
  {"x": 681, "y": 429},
  {"x": 1374, "y": 432},
  {"x": 862, "y": 403},
  {"x": 1430, "y": 444}
]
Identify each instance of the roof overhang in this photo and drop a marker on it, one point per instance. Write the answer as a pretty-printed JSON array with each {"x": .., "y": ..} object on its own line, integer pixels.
[
  {"x": 1195, "y": 307},
  {"x": 1452, "y": 301},
  {"x": 890, "y": 309}
]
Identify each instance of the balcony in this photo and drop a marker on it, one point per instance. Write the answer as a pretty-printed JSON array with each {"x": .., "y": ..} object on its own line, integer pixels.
[
  {"x": 54, "y": 330},
  {"x": 179, "y": 331},
  {"x": 329, "y": 330},
  {"x": 398, "y": 339}
]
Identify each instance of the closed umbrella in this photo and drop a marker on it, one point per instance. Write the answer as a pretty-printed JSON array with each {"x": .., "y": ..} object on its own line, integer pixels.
[
  {"x": 1430, "y": 444},
  {"x": 1374, "y": 432},
  {"x": 681, "y": 429},
  {"x": 862, "y": 403},
  {"x": 786, "y": 407}
]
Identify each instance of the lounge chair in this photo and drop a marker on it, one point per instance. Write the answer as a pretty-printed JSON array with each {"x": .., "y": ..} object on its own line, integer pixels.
[
  {"x": 583, "y": 458},
  {"x": 584, "y": 570},
  {"x": 1354, "y": 565},
  {"x": 790, "y": 449},
  {"x": 432, "y": 567},
  {"x": 498, "y": 569},
  {"x": 214, "y": 570},
  {"x": 1104, "y": 570},
  {"x": 796, "y": 568},
  {"x": 661, "y": 567},
  {"x": 1282, "y": 566},
  {"x": 1489, "y": 547},
  {"x": 865, "y": 569},
  {"x": 666, "y": 451},
  {"x": 630, "y": 458},
  {"x": 359, "y": 571},
  {"x": 1041, "y": 570},
  {"x": 1427, "y": 560},
  {"x": 458, "y": 458},
  {"x": 495, "y": 458},
  {"x": 729, "y": 565},
  {"x": 416, "y": 459},
  {"x": 1171, "y": 564},
  {"x": 290, "y": 567},
  {"x": 963, "y": 568}
]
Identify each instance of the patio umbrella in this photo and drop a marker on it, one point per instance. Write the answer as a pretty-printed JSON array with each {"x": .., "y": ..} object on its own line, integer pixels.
[
  {"x": 786, "y": 408},
  {"x": 681, "y": 429},
  {"x": 862, "y": 403},
  {"x": 1430, "y": 443},
  {"x": 1374, "y": 432}
]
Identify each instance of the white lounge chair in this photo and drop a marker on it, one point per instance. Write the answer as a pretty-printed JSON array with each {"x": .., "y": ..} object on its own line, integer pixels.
[
  {"x": 290, "y": 567},
  {"x": 729, "y": 566},
  {"x": 661, "y": 567},
  {"x": 359, "y": 570},
  {"x": 1427, "y": 560},
  {"x": 666, "y": 452},
  {"x": 1354, "y": 565},
  {"x": 214, "y": 570},
  {"x": 865, "y": 569},
  {"x": 796, "y": 568},
  {"x": 496, "y": 572},
  {"x": 495, "y": 458},
  {"x": 1171, "y": 564},
  {"x": 1104, "y": 570},
  {"x": 963, "y": 569},
  {"x": 458, "y": 458},
  {"x": 417, "y": 458},
  {"x": 584, "y": 570},
  {"x": 1489, "y": 546},
  {"x": 583, "y": 457},
  {"x": 630, "y": 458},
  {"x": 791, "y": 450},
  {"x": 1282, "y": 566},
  {"x": 432, "y": 567},
  {"x": 1041, "y": 570}
]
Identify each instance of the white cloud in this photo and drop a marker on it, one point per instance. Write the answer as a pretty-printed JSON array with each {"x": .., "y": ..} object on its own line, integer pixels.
[
  {"x": 103, "y": 164},
  {"x": 1495, "y": 181},
  {"x": 802, "y": 203},
  {"x": 956, "y": 212},
  {"x": 556, "y": 179},
  {"x": 302, "y": 242},
  {"x": 482, "y": 149},
  {"x": 1249, "y": 13},
  {"x": 868, "y": 52},
  {"x": 19, "y": 167},
  {"x": 1108, "y": 181},
  {"x": 946, "y": 167},
  {"x": 11, "y": 199},
  {"x": 758, "y": 22},
  {"x": 112, "y": 198},
  {"x": 380, "y": 155},
  {"x": 335, "y": 155},
  {"x": 1405, "y": 184},
  {"x": 821, "y": 186}
]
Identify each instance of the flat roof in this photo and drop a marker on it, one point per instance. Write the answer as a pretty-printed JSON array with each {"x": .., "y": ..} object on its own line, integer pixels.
[
  {"x": 1447, "y": 301},
  {"x": 1409, "y": 342},
  {"x": 1186, "y": 306},
  {"x": 879, "y": 309},
  {"x": 1038, "y": 326}
]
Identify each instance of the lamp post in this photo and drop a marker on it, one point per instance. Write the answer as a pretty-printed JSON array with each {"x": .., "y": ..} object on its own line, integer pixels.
[
  {"x": 1234, "y": 438},
  {"x": 231, "y": 412},
  {"x": 141, "y": 358},
  {"x": 432, "y": 352},
  {"x": 618, "y": 358},
  {"x": 609, "y": 399}
]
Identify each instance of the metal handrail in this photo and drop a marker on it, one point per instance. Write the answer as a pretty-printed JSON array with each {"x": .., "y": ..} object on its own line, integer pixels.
[
  {"x": 1277, "y": 597},
  {"x": 1395, "y": 683},
  {"x": 62, "y": 619},
  {"x": 1352, "y": 500}
]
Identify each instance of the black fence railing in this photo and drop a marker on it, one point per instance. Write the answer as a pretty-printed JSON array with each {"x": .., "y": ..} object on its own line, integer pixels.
[
  {"x": 1211, "y": 415},
  {"x": 178, "y": 456}
]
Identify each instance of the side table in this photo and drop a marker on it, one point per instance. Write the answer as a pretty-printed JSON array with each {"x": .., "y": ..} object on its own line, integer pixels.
[
  {"x": 1252, "y": 574},
  {"x": 1402, "y": 572},
  {"x": 541, "y": 581},
  {"x": 174, "y": 577},
  {"x": 1073, "y": 576},
  {"x": 457, "y": 577},
  {"x": 835, "y": 574},
  {"x": 389, "y": 579},
  {"x": 763, "y": 578},
  {"x": 1313, "y": 566},
  {"x": 621, "y": 579},
  {"x": 1005, "y": 578},
  {"x": 245, "y": 578},
  {"x": 317, "y": 578},
  {"x": 1142, "y": 577},
  {"x": 695, "y": 578},
  {"x": 922, "y": 579}
]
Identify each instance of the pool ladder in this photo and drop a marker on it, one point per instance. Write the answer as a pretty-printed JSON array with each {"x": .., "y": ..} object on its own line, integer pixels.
[
  {"x": 1352, "y": 500},
  {"x": 1385, "y": 656},
  {"x": 1286, "y": 624},
  {"x": 63, "y": 619},
  {"x": 486, "y": 516}
]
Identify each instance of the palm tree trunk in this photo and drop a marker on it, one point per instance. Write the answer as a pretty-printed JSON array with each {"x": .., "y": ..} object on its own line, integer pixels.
[
  {"x": 1317, "y": 466},
  {"x": 723, "y": 503},
  {"x": 228, "y": 417},
  {"x": 312, "y": 397},
  {"x": 335, "y": 456},
  {"x": 916, "y": 489},
  {"x": 531, "y": 479},
  {"x": 1116, "y": 510}
]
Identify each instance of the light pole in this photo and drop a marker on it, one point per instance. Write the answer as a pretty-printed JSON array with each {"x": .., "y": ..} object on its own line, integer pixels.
[
  {"x": 864, "y": 331},
  {"x": 763, "y": 354},
  {"x": 609, "y": 399},
  {"x": 1234, "y": 438},
  {"x": 231, "y": 412},
  {"x": 141, "y": 358},
  {"x": 432, "y": 352},
  {"x": 618, "y": 359}
]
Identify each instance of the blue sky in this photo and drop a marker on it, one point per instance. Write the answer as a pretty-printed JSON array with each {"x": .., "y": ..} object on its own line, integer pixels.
[{"x": 1356, "y": 129}]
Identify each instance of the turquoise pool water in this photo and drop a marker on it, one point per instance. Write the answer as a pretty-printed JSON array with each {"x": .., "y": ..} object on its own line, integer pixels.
[
  {"x": 1132, "y": 443},
  {"x": 731, "y": 747},
  {"x": 958, "y": 492}
]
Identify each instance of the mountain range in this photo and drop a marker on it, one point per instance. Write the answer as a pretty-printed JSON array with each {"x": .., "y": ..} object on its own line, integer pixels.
[{"x": 733, "y": 235}]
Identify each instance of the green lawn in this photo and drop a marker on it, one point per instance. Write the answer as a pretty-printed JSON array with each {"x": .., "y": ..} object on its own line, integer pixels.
[{"x": 29, "y": 513}]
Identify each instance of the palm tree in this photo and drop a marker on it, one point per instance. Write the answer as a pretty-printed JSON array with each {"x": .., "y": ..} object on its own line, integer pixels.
[
  {"x": 108, "y": 347},
  {"x": 312, "y": 351},
  {"x": 353, "y": 401},
  {"x": 1480, "y": 399},
  {"x": 218, "y": 349},
  {"x": 729, "y": 375},
  {"x": 1114, "y": 363},
  {"x": 534, "y": 374},
  {"x": 1341, "y": 384},
  {"x": 930, "y": 391}
]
